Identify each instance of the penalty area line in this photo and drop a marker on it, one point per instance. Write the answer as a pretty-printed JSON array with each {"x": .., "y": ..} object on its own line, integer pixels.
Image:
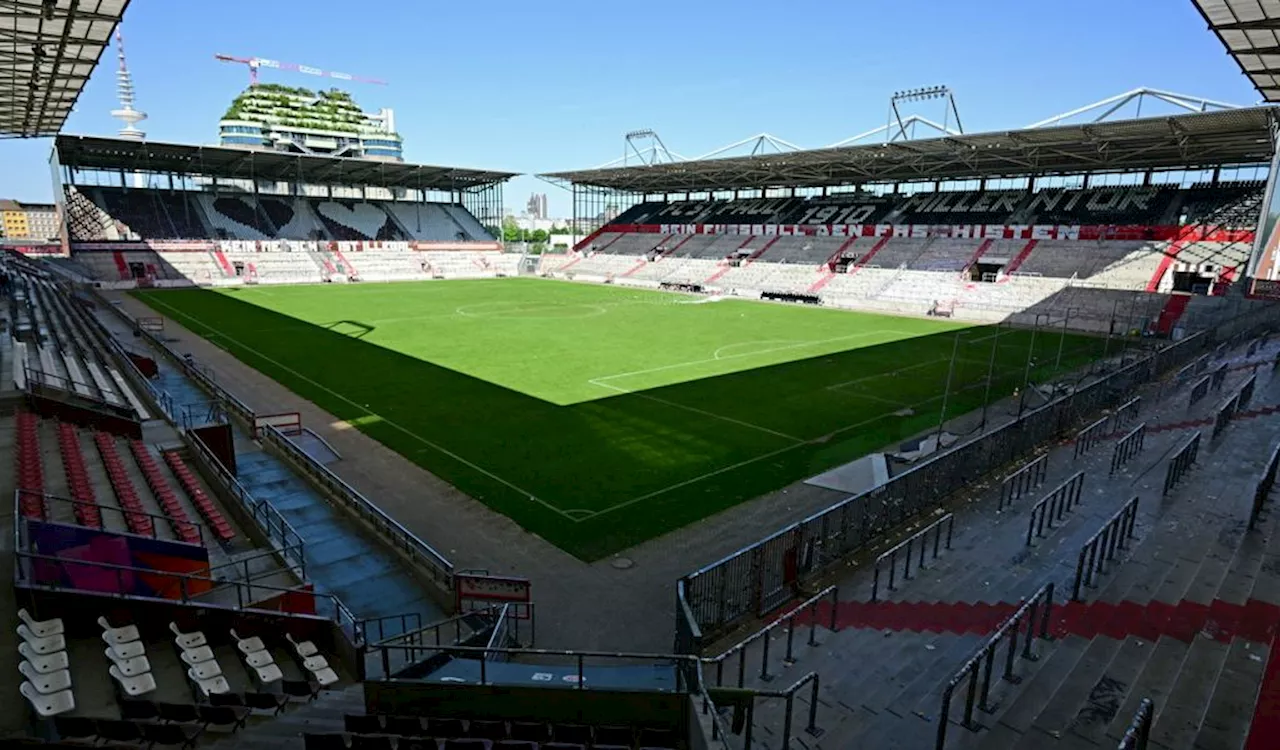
[
  {"x": 696, "y": 410},
  {"x": 179, "y": 314}
]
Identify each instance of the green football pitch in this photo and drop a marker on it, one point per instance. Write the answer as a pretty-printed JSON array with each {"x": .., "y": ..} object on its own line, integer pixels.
[{"x": 598, "y": 417}]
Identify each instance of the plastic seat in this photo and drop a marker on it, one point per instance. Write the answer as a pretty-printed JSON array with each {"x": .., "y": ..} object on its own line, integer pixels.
[
  {"x": 75, "y": 728},
  {"x": 182, "y": 713},
  {"x": 609, "y": 735},
  {"x": 119, "y": 731},
  {"x": 115, "y": 636},
  {"x": 136, "y": 685},
  {"x": 274, "y": 702},
  {"x": 257, "y": 659},
  {"x": 445, "y": 727},
  {"x": 48, "y": 705},
  {"x": 46, "y": 683},
  {"x": 205, "y": 670},
  {"x": 325, "y": 677},
  {"x": 529, "y": 731},
  {"x": 301, "y": 689},
  {"x": 485, "y": 729},
  {"x": 42, "y": 628},
  {"x": 467, "y": 743},
  {"x": 515, "y": 745},
  {"x": 122, "y": 651},
  {"x": 372, "y": 742},
  {"x": 314, "y": 663},
  {"x": 130, "y": 667},
  {"x": 194, "y": 639},
  {"x": 181, "y": 735},
  {"x": 197, "y": 655},
  {"x": 327, "y": 741},
  {"x": 42, "y": 645},
  {"x": 248, "y": 645},
  {"x": 575, "y": 734},
  {"x": 210, "y": 685},
  {"x": 360, "y": 724},
  {"x": 139, "y": 710},
  {"x": 222, "y": 716},
  {"x": 268, "y": 674},
  {"x": 43, "y": 663},
  {"x": 405, "y": 726},
  {"x": 302, "y": 648}
]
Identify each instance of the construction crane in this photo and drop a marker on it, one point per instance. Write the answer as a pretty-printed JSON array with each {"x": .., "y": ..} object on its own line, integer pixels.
[{"x": 258, "y": 62}]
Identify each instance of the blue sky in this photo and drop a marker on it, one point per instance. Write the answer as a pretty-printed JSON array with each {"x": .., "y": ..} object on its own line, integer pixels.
[{"x": 534, "y": 86}]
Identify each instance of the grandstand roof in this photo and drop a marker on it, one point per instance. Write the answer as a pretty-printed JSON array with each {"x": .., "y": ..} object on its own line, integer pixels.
[
  {"x": 1250, "y": 29},
  {"x": 113, "y": 154},
  {"x": 1195, "y": 140},
  {"x": 47, "y": 53}
]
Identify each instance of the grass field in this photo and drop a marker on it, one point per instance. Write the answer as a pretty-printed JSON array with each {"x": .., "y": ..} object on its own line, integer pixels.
[{"x": 598, "y": 416}]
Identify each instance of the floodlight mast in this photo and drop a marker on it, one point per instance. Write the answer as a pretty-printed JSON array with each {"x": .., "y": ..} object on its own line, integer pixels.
[
  {"x": 918, "y": 95},
  {"x": 657, "y": 150}
]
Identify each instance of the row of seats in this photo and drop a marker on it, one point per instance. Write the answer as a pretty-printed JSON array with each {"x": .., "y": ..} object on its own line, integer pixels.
[
  {"x": 45, "y": 665},
  {"x": 539, "y": 734},
  {"x": 161, "y": 731},
  {"x": 81, "y": 489},
  {"x": 178, "y": 519},
  {"x": 28, "y": 468},
  {"x": 135, "y": 516},
  {"x": 201, "y": 500}
]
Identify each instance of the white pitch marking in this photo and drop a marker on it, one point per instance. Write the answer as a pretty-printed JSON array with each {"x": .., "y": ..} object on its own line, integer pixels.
[
  {"x": 696, "y": 410},
  {"x": 799, "y": 345},
  {"x": 899, "y": 371},
  {"x": 179, "y": 314}
]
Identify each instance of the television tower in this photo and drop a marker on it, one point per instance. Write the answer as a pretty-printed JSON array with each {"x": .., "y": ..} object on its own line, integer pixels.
[{"x": 124, "y": 88}]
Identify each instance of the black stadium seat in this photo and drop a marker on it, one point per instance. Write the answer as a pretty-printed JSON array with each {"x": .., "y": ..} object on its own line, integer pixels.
[
  {"x": 442, "y": 727},
  {"x": 515, "y": 745},
  {"x": 578, "y": 734},
  {"x": 326, "y": 741},
  {"x": 489, "y": 730},
  {"x": 75, "y": 727},
  {"x": 405, "y": 726},
  {"x": 614, "y": 736},
  {"x": 366, "y": 725},
  {"x": 371, "y": 742},
  {"x": 221, "y": 716},
  {"x": 523, "y": 730}
]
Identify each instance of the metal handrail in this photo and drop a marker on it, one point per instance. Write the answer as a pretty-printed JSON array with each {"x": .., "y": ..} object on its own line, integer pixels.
[
  {"x": 808, "y": 606},
  {"x": 1029, "y": 477},
  {"x": 1103, "y": 545},
  {"x": 984, "y": 658},
  {"x": 891, "y": 554},
  {"x": 1054, "y": 506},
  {"x": 1138, "y": 734},
  {"x": 406, "y": 541},
  {"x": 1128, "y": 446},
  {"x": 1090, "y": 436},
  {"x": 1264, "y": 486},
  {"x": 1181, "y": 463},
  {"x": 44, "y": 496}
]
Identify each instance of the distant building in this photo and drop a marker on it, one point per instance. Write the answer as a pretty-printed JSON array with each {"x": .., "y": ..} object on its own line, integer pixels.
[
  {"x": 301, "y": 121},
  {"x": 28, "y": 221},
  {"x": 537, "y": 206}
]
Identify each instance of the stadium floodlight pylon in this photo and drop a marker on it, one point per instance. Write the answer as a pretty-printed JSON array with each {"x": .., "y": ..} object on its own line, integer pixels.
[
  {"x": 927, "y": 93},
  {"x": 906, "y": 131},
  {"x": 760, "y": 144},
  {"x": 255, "y": 63},
  {"x": 1113, "y": 104}
]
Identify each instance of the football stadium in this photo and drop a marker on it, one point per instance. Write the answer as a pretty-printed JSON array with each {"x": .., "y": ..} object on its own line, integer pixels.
[{"x": 953, "y": 440}]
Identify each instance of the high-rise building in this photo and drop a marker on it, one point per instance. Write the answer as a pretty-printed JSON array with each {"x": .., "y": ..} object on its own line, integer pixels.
[
  {"x": 536, "y": 207},
  {"x": 28, "y": 221},
  {"x": 301, "y": 121}
]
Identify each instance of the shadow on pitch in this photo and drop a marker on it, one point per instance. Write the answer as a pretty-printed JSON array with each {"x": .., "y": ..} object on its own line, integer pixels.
[{"x": 773, "y": 425}]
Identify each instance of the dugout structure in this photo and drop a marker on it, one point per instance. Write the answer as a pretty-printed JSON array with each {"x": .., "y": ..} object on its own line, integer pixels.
[{"x": 1199, "y": 147}]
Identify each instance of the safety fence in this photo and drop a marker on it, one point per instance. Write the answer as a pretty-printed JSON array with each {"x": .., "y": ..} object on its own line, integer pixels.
[
  {"x": 761, "y": 577},
  {"x": 1128, "y": 446},
  {"x": 1126, "y": 413},
  {"x": 1103, "y": 546},
  {"x": 1181, "y": 463},
  {"x": 1219, "y": 377},
  {"x": 1246, "y": 392},
  {"x": 1199, "y": 391},
  {"x": 1224, "y": 414},
  {"x": 1264, "y": 486},
  {"x": 425, "y": 560},
  {"x": 979, "y": 667},
  {"x": 1054, "y": 506},
  {"x": 889, "y": 559},
  {"x": 44, "y": 506},
  {"x": 1088, "y": 438},
  {"x": 740, "y": 652},
  {"x": 1138, "y": 734},
  {"x": 1029, "y": 477}
]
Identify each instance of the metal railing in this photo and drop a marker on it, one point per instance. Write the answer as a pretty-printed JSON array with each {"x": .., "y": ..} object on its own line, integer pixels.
[
  {"x": 1128, "y": 446},
  {"x": 788, "y": 695},
  {"x": 1181, "y": 463},
  {"x": 423, "y": 557},
  {"x": 1265, "y": 484},
  {"x": 1246, "y": 392},
  {"x": 1103, "y": 546},
  {"x": 280, "y": 534},
  {"x": 890, "y": 556},
  {"x": 1126, "y": 413},
  {"x": 757, "y": 579},
  {"x": 1090, "y": 437},
  {"x": 1199, "y": 391},
  {"x": 979, "y": 667},
  {"x": 1224, "y": 414},
  {"x": 807, "y": 608},
  {"x": 52, "y": 502},
  {"x": 1024, "y": 480},
  {"x": 1054, "y": 506},
  {"x": 1138, "y": 734}
]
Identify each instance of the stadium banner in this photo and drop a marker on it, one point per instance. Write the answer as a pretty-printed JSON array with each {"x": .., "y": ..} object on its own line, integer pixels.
[
  {"x": 474, "y": 591},
  {"x": 170, "y": 246},
  {"x": 289, "y": 423}
]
